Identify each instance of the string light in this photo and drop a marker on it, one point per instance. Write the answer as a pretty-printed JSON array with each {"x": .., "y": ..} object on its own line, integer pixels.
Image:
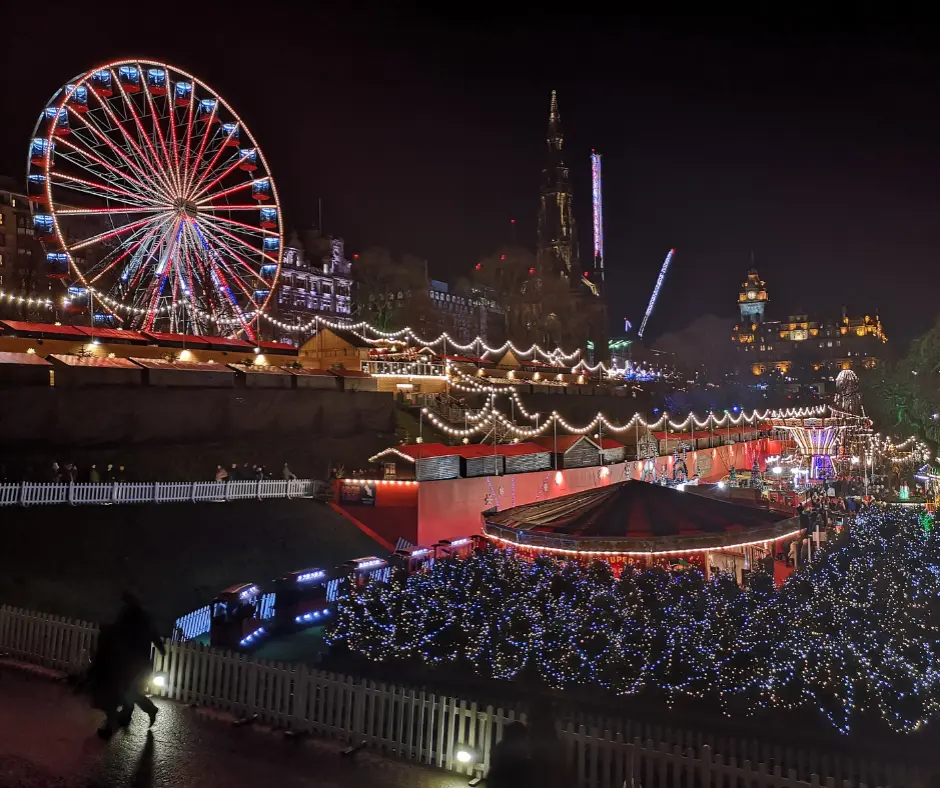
[{"x": 28, "y": 300}]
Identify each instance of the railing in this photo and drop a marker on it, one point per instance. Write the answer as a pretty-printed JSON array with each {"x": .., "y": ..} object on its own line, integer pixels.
[
  {"x": 92, "y": 493},
  {"x": 430, "y": 729}
]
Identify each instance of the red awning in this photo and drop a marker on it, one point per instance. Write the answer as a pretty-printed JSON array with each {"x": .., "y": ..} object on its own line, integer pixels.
[
  {"x": 43, "y": 329},
  {"x": 113, "y": 333},
  {"x": 188, "y": 339}
]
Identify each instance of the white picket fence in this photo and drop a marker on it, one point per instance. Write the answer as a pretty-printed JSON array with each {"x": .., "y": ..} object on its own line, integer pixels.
[
  {"x": 430, "y": 729},
  {"x": 100, "y": 493}
]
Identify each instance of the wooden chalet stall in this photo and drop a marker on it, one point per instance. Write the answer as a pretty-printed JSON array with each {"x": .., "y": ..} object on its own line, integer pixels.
[
  {"x": 436, "y": 462},
  {"x": 185, "y": 374},
  {"x": 525, "y": 457},
  {"x": 642, "y": 524},
  {"x": 23, "y": 369},
  {"x": 305, "y": 378},
  {"x": 87, "y": 371},
  {"x": 254, "y": 376},
  {"x": 613, "y": 451},
  {"x": 571, "y": 451},
  {"x": 354, "y": 380}
]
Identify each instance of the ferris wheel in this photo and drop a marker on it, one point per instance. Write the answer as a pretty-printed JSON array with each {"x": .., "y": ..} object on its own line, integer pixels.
[{"x": 154, "y": 204}]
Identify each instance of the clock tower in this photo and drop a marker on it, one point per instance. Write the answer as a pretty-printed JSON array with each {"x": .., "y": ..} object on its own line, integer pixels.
[{"x": 752, "y": 298}]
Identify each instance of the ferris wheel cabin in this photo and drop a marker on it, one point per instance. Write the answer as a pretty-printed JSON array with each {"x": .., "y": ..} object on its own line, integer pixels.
[
  {"x": 269, "y": 218},
  {"x": 260, "y": 296},
  {"x": 101, "y": 83},
  {"x": 248, "y": 159},
  {"x": 44, "y": 226},
  {"x": 261, "y": 190},
  {"x": 78, "y": 97},
  {"x": 77, "y": 299},
  {"x": 59, "y": 119},
  {"x": 182, "y": 93},
  {"x": 130, "y": 78},
  {"x": 156, "y": 82},
  {"x": 38, "y": 149},
  {"x": 36, "y": 188},
  {"x": 207, "y": 111},
  {"x": 271, "y": 245},
  {"x": 230, "y": 130},
  {"x": 57, "y": 265}
]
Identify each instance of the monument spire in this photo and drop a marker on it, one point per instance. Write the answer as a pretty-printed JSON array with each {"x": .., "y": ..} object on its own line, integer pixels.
[{"x": 557, "y": 235}]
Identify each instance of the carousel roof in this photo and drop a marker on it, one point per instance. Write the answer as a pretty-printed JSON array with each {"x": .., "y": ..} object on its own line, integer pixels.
[{"x": 635, "y": 517}]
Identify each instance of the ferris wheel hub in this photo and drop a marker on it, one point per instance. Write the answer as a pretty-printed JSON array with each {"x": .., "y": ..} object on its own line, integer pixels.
[{"x": 186, "y": 208}]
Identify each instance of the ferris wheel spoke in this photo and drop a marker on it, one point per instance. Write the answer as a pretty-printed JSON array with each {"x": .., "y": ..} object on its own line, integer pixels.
[
  {"x": 208, "y": 171},
  {"x": 154, "y": 185},
  {"x": 154, "y": 160},
  {"x": 92, "y": 124},
  {"x": 94, "y": 272},
  {"x": 227, "y": 171},
  {"x": 202, "y": 147},
  {"x": 211, "y": 227},
  {"x": 250, "y": 228},
  {"x": 105, "y": 211},
  {"x": 142, "y": 132},
  {"x": 96, "y": 153},
  {"x": 94, "y": 188},
  {"x": 220, "y": 244},
  {"x": 189, "y": 136},
  {"x": 106, "y": 235},
  {"x": 158, "y": 281},
  {"x": 226, "y": 290},
  {"x": 252, "y": 207},
  {"x": 116, "y": 176},
  {"x": 174, "y": 142},
  {"x": 131, "y": 248},
  {"x": 159, "y": 131}
]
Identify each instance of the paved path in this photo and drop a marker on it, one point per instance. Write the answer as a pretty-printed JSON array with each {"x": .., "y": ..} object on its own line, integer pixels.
[{"x": 47, "y": 740}]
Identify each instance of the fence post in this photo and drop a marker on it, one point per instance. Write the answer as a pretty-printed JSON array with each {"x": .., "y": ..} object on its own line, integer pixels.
[
  {"x": 22, "y": 493},
  {"x": 71, "y": 493},
  {"x": 114, "y": 492},
  {"x": 705, "y": 773},
  {"x": 228, "y": 488},
  {"x": 192, "y": 493},
  {"x": 260, "y": 482}
]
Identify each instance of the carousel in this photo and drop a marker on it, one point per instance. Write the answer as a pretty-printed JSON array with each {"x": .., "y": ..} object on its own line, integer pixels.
[{"x": 642, "y": 524}]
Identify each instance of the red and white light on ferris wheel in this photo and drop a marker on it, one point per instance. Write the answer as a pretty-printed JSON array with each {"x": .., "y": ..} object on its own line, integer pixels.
[{"x": 151, "y": 197}]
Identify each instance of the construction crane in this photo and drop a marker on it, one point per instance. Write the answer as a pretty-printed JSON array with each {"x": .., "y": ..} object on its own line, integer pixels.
[{"x": 659, "y": 284}]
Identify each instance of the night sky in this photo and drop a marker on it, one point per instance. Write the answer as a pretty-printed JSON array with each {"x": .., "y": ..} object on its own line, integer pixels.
[{"x": 817, "y": 151}]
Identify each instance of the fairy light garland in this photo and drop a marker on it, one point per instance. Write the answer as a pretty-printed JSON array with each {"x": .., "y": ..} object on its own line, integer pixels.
[{"x": 13, "y": 298}]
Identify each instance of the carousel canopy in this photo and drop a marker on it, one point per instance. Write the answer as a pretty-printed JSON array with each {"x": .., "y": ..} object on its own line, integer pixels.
[{"x": 638, "y": 518}]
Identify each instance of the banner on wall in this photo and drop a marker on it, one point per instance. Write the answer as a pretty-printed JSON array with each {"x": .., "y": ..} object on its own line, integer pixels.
[
  {"x": 703, "y": 463},
  {"x": 362, "y": 493}
]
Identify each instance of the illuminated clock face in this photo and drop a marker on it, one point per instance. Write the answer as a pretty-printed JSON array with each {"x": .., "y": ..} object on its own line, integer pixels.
[{"x": 751, "y": 295}]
